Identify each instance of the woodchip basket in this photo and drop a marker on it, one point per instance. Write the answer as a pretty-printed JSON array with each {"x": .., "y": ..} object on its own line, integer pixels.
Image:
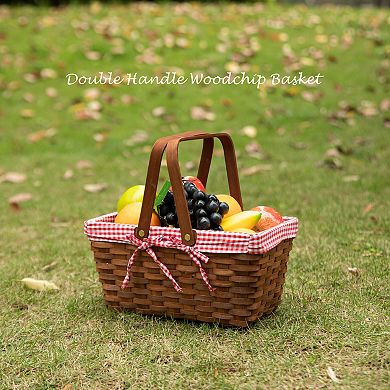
[{"x": 247, "y": 285}]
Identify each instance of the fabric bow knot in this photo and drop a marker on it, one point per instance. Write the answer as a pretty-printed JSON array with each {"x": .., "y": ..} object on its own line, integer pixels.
[{"x": 166, "y": 242}]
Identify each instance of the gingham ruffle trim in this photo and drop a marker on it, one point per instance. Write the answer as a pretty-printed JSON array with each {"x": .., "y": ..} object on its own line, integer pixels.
[{"x": 103, "y": 228}]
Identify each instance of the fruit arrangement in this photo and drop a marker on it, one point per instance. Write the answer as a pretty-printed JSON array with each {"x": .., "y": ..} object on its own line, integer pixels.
[{"x": 207, "y": 211}]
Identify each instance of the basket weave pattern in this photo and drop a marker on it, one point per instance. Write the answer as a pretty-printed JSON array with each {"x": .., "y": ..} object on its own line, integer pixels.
[{"x": 247, "y": 285}]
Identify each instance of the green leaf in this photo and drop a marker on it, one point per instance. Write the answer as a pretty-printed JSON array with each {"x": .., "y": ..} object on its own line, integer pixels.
[{"x": 161, "y": 195}]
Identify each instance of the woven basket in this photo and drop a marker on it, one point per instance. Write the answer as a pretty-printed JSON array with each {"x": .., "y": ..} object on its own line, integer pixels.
[{"x": 247, "y": 286}]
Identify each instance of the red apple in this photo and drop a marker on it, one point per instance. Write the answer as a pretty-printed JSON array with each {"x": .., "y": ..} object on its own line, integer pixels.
[
  {"x": 269, "y": 217},
  {"x": 196, "y": 181}
]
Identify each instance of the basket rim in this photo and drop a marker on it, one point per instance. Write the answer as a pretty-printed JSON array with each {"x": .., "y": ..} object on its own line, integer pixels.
[{"x": 103, "y": 228}]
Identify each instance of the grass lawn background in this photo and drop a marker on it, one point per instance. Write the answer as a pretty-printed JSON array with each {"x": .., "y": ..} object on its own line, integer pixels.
[{"x": 329, "y": 317}]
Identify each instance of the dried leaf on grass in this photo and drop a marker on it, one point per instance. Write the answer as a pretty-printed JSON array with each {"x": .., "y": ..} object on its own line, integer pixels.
[
  {"x": 58, "y": 222},
  {"x": 351, "y": 178},
  {"x": 298, "y": 145},
  {"x": 14, "y": 201},
  {"x": 331, "y": 163},
  {"x": 51, "y": 92},
  {"x": 100, "y": 137},
  {"x": 97, "y": 187},
  {"x": 253, "y": 149},
  {"x": 49, "y": 267},
  {"x": 28, "y": 97},
  {"x": 68, "y": 174},
  {"x": 92, "y": 55},
  {"x": 311, "y": 96},
  {"x": 333, "y": 152},
  {"x": 39, "y": 285},
  {"x": 385, "y": 105},
  {"x": 128, "y": 99},
  {"x": 83, "y": 164},
  {"x": 27, "y": 113},
  {"x": 189, "y": 165},
  {"x": 13, "y": 177},
  {"x": 218, "y": 152},
  {"x": 148, "y": 57},
  {"x": 159, "y": 112},
  {"x": 202, "y": 114},
  {"x": 39, "y": 135},
  {"x": 367, "y": 109},
  {"x": 95, "y": 105},
  {"x": 138, "y": 137},
  {"x": 345, "y": 150},
  {"x": 31, "y": 77},
  {"x": 69, "y": 386},
  {"x": 332, "y": 375},
  {"x": 84, "y": 112},
  {"x": 361, "y": 141},
  {"x": 91, "y": 94},
  {"x": 249, "y": 171},
  {"x": 249, "y": 131},
  {"x": 354, "y": 271},
  {"x": 368, "y": 208},
  {"x": 345, "y": 113},
  {"x": 48, "y": 73},
  {"x": 291, "y": 91},
  {"x": 20, "y": 306}
]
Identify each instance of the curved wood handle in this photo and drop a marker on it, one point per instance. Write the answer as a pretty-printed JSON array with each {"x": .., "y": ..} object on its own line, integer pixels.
[
  {"x": 154, "y": 173},
  {"x": 172, "y": 144}
]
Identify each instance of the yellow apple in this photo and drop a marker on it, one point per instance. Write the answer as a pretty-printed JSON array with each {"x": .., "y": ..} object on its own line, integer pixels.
[{"x": 131, "y": 195}]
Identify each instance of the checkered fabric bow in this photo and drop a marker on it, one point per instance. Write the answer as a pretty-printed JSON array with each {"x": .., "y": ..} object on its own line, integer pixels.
[{"x": 166, "y": 242}]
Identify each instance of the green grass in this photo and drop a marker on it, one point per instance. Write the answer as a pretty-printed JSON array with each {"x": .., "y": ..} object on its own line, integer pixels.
[{"x": 328, "y": 317}]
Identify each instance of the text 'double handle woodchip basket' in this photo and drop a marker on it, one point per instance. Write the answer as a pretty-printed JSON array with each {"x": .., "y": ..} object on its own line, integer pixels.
[{"x": 246, "y": 272}]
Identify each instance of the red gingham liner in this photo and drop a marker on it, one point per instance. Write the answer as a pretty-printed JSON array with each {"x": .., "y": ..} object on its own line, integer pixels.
[{"x": 103, "y": 228}]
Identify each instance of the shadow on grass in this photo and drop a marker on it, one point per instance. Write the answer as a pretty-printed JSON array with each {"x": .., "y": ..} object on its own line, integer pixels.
[{"x": 95, "y": 308}]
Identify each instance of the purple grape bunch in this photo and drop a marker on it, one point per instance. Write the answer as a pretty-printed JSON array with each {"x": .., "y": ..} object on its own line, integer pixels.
[{"x": 206, "y": 211}]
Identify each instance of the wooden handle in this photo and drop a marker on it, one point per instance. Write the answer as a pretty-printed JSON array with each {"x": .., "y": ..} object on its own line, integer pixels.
[
  {"x": 172, "y": 144},
  {"x": 154, "y": 172}
]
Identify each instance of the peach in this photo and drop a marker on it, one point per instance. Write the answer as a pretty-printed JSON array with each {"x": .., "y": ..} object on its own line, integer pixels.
[
  {"x": 269, "y": 217},
  {"x": 131, "y": 213}
]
